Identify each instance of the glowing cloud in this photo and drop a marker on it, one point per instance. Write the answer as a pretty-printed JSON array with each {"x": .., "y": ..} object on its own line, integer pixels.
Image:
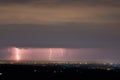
[
  {"x": 16, "y": 53},
  {"x": 55, "y": 52}
]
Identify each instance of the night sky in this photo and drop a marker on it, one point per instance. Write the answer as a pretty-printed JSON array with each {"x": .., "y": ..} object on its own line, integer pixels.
[{"x": 67, "y": 29}]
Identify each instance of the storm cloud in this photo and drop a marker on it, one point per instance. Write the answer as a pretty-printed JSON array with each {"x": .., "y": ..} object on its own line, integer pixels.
[
  {"x": 60, "y": 23},
  {"x": 115, "y": 3},
  {"x": 62, "y": 35},
  {"x": 59, "y": 11}
]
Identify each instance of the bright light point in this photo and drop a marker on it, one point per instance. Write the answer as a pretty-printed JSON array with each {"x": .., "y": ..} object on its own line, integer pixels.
[
  {"x": 108, "y": 69},
  {"x": 0, "y": 73},
  {"x": 54, "y": 71},
  {"x": 111, "y": 63},
  {"x": 80, "y": 63},
  {"x": 86, "y": 63},
  {"x": 104, "y": 63},
  {"x": 35, "y": 70}
]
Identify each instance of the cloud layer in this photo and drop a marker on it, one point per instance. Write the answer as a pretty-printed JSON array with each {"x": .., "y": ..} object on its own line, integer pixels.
[
  {"x": 60, "y": 23},
  {"x": 62, "y": 35},
  {"x": 115, "y": 3},
  {"x": 59, "y": 11}
]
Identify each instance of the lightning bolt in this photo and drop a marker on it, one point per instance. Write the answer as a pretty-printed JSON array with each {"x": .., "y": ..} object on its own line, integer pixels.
[
  {"x": 50, "y": 53},
  {"x": 17, "y": 54},
  {"x": 61, "y": 51},
  {"x": 58, "y": 51}
]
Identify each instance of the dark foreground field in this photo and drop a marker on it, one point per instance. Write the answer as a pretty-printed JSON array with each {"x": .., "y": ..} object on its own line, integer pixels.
[{"x": 58, "y": 72}]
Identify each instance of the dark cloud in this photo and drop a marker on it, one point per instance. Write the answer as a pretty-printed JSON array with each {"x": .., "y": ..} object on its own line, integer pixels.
[
  {"x": 18, "y": 14},
  {"x": 45, "y": 26},
  {"x": 115, "y": 3},
  {"x": 60, "y": 35}
]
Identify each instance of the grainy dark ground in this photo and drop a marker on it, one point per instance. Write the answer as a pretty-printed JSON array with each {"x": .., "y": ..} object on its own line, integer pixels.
[{"x": 56, "y": 72}]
